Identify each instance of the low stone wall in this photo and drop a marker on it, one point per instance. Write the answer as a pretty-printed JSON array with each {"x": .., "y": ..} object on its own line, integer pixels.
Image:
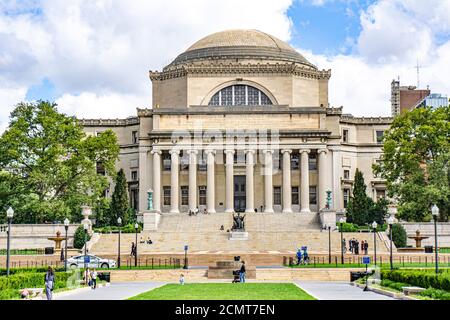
[
  {"x": 427, "y": 229},
  {"x": 263, "y": 274},
  {"x": 34, "y": 236}
]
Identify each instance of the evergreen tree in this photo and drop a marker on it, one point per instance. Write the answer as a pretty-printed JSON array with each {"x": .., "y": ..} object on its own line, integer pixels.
[
  {"x": 360, "y": 206},
  {"x": 119, "y": 200}
]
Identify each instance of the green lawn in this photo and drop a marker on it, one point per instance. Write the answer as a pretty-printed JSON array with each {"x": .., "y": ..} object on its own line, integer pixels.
[
  {"x": 384, "y": 265},
  {"x": 226, "y": 291}
]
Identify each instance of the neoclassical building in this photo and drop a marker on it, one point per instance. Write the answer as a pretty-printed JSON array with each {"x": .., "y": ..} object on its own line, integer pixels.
[{"x": 241, "y": 121}]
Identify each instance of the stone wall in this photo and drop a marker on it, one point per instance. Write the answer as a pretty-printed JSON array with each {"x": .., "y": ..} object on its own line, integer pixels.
[{"x": 34, "y": 236}]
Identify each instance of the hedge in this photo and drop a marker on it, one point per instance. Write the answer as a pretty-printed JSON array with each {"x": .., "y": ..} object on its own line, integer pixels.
[
  {"x": 436, "y": 294},
  {"x": 351, "y": 227},
  {"x": 419, "y": 278},
  {"x": 129, "y": 228},
  {"x": 23, "y": 280}
]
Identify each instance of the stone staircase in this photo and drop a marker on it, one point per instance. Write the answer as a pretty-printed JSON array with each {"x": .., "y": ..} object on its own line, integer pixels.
[{"x": 268, "y": 233}]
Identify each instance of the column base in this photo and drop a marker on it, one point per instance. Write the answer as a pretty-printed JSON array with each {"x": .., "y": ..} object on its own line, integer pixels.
[
  {"x": 211, "y": 211},
  {"x": 286, "y": 211},
  {"x": 174, "y": 211},
  {"x": 305, "y": 210},
  {"x": 229, "y": 210},
  {"x": 268, "y": 211},
  {"x": 249, "y": 210}
]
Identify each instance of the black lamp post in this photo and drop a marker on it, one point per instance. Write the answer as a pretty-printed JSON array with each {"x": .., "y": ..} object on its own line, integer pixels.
[
  {"x": 119, "y": 222},
  {"x": 185, "y": 257},
  {"x": 341, "y": 221},
  {"x": 374, "y": 227},
  {"x": 136, "y": 227},
  {"x": 85, "y": 226},
  {"x": 435, "y": 213},
  {"x": 329, "y": 244},
  {"x": 9, "y": 215},
  {"x": 390, "y": 222},
  {"x": 66, "y": 227}
]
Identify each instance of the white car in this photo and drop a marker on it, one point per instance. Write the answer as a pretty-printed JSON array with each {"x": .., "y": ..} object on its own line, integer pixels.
[{"x": 91, "y": 262}]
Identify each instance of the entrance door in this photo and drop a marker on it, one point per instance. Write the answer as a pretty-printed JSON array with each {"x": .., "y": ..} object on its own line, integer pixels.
[{"x": 239, "y": 193}]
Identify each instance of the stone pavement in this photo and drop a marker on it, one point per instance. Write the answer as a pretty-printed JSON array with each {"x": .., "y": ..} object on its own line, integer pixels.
[
  {"x": 338, "y": 291},
  {"x": 115, "y": 291}
]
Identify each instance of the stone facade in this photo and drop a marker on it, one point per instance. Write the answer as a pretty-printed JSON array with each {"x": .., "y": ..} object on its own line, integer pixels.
[{"x": 239, "y": 125}]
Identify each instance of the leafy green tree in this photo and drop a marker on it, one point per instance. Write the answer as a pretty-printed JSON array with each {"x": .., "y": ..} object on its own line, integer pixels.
[
  {"x": 48, "y": 164},
  {"x": 119, "y": 200},
  {"x": 399, "y": 235},
  {"x": 360, "y": 205},
  {"x": 79, "y": 237},
  {"x": 415, "y": 162}
]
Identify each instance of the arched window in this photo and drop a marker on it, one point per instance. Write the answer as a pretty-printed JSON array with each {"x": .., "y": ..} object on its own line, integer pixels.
[{"x": 240, "y": 95}]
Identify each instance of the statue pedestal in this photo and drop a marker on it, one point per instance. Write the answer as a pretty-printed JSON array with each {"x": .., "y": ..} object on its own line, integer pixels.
[
  {"x": 328, "y": 218},
  {"x": 238, "y": 235},
  {"x": 151, "y": 220}
]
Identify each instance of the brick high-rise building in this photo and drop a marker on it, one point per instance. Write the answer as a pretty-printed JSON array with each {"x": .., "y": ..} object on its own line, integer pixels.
[{"x": 405, "y": 98}]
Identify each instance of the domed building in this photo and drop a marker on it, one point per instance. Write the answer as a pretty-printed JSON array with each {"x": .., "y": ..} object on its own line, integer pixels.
[{"x": 241, "y": 122}]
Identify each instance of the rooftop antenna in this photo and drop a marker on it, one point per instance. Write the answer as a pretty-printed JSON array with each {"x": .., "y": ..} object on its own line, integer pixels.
[{"x": 418, "y": 73}]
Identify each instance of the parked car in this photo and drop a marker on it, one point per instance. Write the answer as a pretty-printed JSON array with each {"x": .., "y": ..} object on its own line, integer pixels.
[{"x": 92, "y": 262}]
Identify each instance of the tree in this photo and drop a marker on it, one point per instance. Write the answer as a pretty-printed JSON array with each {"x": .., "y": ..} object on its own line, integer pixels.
[
  {"x": 79, "y": 237},
  {"x": 119, "y": 201},
  {"x": 48, "y": 164},
  {"x": 415, "y": 162},
  {"x": 359, "y": 206},
  {"x": 399, "y": 235}
]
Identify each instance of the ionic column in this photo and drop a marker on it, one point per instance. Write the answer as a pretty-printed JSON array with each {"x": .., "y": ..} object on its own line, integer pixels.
[
  {"x": 268, "y": 181},
  {"x": 323, "y": 174},
  {"x": 174, "y": 187},
  {"x": 249, "y": 192},
  {"x": 192, "y": 179},
  {"x": 156, "y": 180},
  {"x": 287, "y": 201},
  {"x": 210, "y": 190},
  {"x": 304, "y": 188},
  {"x": 229, "y": 183}
]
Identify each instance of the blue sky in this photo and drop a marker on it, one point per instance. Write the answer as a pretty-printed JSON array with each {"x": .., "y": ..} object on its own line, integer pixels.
[{"x": 93, "y": 57}]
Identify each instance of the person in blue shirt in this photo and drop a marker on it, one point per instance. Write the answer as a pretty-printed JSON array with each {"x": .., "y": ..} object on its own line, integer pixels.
[{"x": 299, "y": 256}]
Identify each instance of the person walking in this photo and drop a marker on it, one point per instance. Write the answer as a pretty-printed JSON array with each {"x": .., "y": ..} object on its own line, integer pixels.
[
  {"x": 94, "y": 275},
  {"x": 242, "y": 272},
  {"x": 182, "y": 279},
  {"x": 133, "y": 249},
  {"x": 49, "y": 283},
  {"x": 299, "y": 256}
]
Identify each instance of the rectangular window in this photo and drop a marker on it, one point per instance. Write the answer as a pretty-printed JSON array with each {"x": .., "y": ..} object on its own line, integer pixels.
[
  {"x": 346, "y": 193},
  {"x": 346, "y": 174},
  {"x": 345, "y": 135},
  {"x": 202, "y": 195},
  {"x": 277, "y": 195},
  {"x": 312, "y": 195},
  {"x": 379, "y": 135},
  {"x": 134, "y": 175},
  {"x": 184, "y": 195},
  {"x": 134, "y": 198},
  {"x": 134, "y": 137},
  {"x": 381, "y": 194},
  {"x": 184, "y": 160},
  {"x": 166, "y": 194},
  {"x": 167, "y": 162},
  {"x": 202, "y": 163},
  {"x": 294, "y": 161},
  {"x": 312, "y": 161},
  {"x": 294, "y": 195}
]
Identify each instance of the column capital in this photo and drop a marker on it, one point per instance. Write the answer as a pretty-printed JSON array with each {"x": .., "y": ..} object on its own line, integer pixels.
[
  {"x": 267, "y": 151},
  {"x": 156, "y": 151},
  {"x": 250, "y": 151},
  {"x": 229, "y": 151},
  {"x": 305, "y": 150},
  {"x": 286, "y": 150},
  {"x": 174, "y": 151},
  {"x": 324, "y": 150},
  {"x": 192, "y": 151},
  {"x": 208, "y": 151}
]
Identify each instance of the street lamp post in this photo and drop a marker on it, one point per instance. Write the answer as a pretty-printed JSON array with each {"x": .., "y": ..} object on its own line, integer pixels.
[
  {"x": 119, "y": 222},
  {"x": 136, "y": 227},
  {"x": 9, "y": 215},
  {"x": 435, "y": 213},
  {"x": 390, "y": 222},
  {"x": 374, "y": 227},
  {"x": 66, "y": 227},
  {"x": 341, "y": 221},
  {"x": 329, "y": 244},
  {"x": 185, "y": 257},
  {"x": 86, "y": 227}
]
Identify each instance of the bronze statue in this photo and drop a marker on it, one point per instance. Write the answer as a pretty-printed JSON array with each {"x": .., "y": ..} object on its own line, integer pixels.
[{"x": 238, "y": 222}]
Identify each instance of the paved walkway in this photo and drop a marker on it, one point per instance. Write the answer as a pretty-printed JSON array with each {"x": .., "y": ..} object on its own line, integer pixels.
[
  {"x": 115, "y": 291},
  {"x": 338, "y": 291}
]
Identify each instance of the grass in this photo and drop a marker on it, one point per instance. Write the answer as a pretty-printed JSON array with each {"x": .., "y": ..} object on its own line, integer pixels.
[
  {"x": 384, "y": 265},
  {"x": 226, "y": 291}
]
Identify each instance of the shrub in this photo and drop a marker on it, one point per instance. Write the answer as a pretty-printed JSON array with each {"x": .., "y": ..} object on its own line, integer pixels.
[
  {"x": 78, "y": 241},
  {"x": 351, "y": 227},
  {"x": 420, "y": 278},
  {"x": 394, "y": 285},
  {"x": 399, "y": 235},
  {"x": 436, "y": 294},
  {"x": 32, "y": 280},
  {"x": 129, "y": 228}
]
